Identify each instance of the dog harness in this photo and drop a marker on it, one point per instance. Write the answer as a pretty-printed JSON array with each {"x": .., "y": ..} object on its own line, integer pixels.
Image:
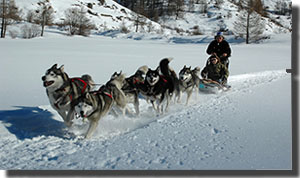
[
  {"x": 108, "y": 94},
  {"x": 82, "y": 81},
  {"x": 187, "y": 84},
  {"x": 163, "y": 78},
  {"x": 135, "y": 81},
  {"x": 101, "y": 90},
  {"x": 70, "y": 93}
]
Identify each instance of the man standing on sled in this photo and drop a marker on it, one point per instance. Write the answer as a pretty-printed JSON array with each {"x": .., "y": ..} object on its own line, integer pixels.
[{"x": 220, "y": 48}]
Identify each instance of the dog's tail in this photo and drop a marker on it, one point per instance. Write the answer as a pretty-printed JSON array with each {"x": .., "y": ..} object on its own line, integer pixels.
[
  {"x": 164, "y": 66},
  {"x": 170, "y": 75}
]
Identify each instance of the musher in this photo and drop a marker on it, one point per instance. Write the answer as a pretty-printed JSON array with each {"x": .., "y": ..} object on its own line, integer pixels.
[{"x": 220, "y": 47}]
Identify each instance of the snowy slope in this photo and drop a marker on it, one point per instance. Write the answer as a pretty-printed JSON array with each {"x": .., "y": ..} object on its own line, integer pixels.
[
  {"x": 209, "y": 23},
  {"x": 110, "y": 15},
  {"x": 248, "y": 127},
  {"x": 107, "y": 16}
]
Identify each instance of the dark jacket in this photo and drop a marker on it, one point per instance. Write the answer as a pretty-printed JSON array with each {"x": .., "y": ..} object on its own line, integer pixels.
[
  {"x": 215, "y": 72},
  {"x": 219, "y": 48}
]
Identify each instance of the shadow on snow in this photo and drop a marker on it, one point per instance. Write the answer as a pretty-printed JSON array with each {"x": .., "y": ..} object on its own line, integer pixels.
[{"x": 29, "y": 122}]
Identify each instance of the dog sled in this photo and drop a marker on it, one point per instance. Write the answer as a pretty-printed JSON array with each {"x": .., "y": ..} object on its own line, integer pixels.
[{"x": 212, "y": 87}]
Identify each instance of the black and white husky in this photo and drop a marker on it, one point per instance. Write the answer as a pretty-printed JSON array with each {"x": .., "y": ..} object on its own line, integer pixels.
[
  {"x": 131, "y": 87},
  {"x": 159, "y": 88},
  {"x": 62, "y": 90},
  {"x": 188, "y": 80},
  {"x": 94, "y": 106}
]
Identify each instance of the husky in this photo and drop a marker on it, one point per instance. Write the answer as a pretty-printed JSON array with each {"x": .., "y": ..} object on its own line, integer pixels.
[
  {"x": 131, "y": 87},
  {"x": 115, "y": 84},
  {"x": 159, "y": 88},
  {"x": 62, "y": 90},
  {"x": 188, "y": 80},
  {"x": 94, "y": 106}
]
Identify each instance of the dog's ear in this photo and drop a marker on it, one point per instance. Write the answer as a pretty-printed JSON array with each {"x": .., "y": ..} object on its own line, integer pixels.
[
  {"x": 62, "y": 68},
  {"x": 197, "y": 68},
  {"x": 120, "y": 72},
  {"x": 157, "y": 69},
  {"x": 54, "y": 66},
  {"x": 114, "y": 75},
  {"x": 190, "y": 67}
]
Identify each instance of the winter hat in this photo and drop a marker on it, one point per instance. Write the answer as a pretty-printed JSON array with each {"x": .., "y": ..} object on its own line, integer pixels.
[
  {"x": 214, "y": 57},
  {"x": 219, "y": 34}
]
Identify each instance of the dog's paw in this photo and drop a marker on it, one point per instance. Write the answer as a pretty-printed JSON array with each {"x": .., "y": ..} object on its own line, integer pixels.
[{"x": 80, "y": 138}]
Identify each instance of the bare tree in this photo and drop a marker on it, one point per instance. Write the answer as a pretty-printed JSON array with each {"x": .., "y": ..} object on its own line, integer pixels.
[
  {"x": 150, "y": 27},
  {"x": 30, "y": 31},
  {"x": 139, "y": 22},
  {"x": 282, "y": 8},
  {"x": 179, "y": 8},
  {"x": 123, "y": 28},
  {"x": 44, "y": 14},
  {"x": 30, "y": 16},
  {"x": 191, "y": 5},
  {"x": 203, "y": 6},
  {"x": 249, "y": 26},
  {"x": 219, "y": 3},
  {"x": 77, "y": 22},
  {"x": 140, "y": 11},
  {"x": 8, "y": 12}
]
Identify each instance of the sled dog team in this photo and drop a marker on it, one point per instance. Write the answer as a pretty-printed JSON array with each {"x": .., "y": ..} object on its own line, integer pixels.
[{"x": 70, "y": 96}]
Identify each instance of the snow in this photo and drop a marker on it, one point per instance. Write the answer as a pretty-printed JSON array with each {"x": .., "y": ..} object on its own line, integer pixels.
[{"x": 246, "y": 128}]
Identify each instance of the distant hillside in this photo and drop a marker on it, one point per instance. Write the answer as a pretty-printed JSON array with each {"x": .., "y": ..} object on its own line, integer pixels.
[
  {"x": 105, "y": 14},
  {"x": 108, "y": 15},
  {"x": 209, "y": 16}
]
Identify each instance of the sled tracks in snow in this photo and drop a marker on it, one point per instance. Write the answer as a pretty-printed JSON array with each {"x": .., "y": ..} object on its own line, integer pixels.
[
  {"x": 247, "y": 81},
  {"x": 110, "y": 127}
]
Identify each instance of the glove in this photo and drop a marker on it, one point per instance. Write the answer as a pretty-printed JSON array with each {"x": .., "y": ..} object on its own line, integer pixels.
[{"x": 223, "y": 80}]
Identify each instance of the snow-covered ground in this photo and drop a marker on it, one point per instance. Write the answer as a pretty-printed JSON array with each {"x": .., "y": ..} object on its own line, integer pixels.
[{"x": 246, "y": 128}]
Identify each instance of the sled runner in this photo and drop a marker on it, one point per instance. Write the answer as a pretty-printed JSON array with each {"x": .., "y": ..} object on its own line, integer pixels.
[{"x": 210, "y": 86}]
